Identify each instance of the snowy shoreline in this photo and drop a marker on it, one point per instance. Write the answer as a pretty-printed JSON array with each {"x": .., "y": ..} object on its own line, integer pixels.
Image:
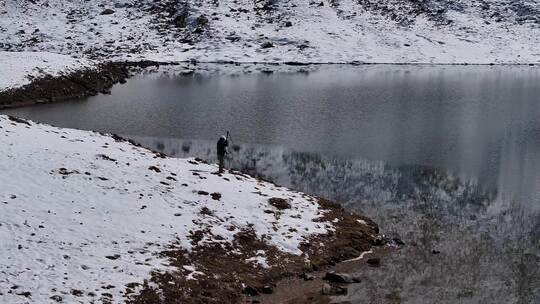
[
  {"x": 37, "y": 77},
  {"x": 86, "y": 216}
]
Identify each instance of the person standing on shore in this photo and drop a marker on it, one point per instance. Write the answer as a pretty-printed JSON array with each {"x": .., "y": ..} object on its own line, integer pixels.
[{"x": 222, "y": 145}]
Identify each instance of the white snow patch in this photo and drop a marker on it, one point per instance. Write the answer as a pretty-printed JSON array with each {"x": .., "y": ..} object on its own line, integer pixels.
[
  {"x": 259, "y": 260},
  {"x": 192, "y": 272}
]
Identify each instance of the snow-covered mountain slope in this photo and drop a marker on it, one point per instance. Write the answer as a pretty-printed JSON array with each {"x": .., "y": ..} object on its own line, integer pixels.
[
  {"x": 396, "y": 31},
  {"x": 19, "y": 68},
  {"x": 83, "y": 214}
]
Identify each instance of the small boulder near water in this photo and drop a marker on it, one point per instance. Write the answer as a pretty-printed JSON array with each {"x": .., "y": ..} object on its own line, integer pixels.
[
  {"x": 249, "y": 290},
  {"x": 336, "y": 277},
  {"x": 374, "y": 262}
]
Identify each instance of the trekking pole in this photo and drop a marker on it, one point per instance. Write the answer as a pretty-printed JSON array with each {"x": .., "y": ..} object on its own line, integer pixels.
[{"x": 229, "y": 159}]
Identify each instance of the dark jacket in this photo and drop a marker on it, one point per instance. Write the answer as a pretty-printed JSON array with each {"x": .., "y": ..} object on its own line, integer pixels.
[{"x": 222, "y": 145}]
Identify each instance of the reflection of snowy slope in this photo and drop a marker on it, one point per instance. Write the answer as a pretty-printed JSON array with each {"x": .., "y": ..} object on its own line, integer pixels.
[
  {"x": 352, "y": 182},
  {"x": 439, "y": 31}
]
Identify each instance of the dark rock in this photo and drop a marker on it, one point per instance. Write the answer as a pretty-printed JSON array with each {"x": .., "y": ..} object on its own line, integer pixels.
[
  {"x": 202, "y": 20},
  {"x": 107, "y": 11},
  {"x": 336, "y": 277},
  {"x": 113, "y": 257},
  {"x": 279, "y": 203},
  {"x": 288, "y": 24},
  {"x": 295, "y": 63},
  {"x": 56, "y": 298},
  {"x": 378, "y": 241},
  {"x": 435, "y": 251},
  {"x": 180, "y": 19},
  {"x": 249, "y": 290},
  {"x": 22, "y": 121},
  {"x": 267, "y": 289},
  {"x": 26, "y": 294},
  {"x": 206, "y": 211},
  {"x": 216, "y": 196},
  {"x": 374, "y": 262},
  {"x": 201, "y": 192},
  {"x": 267, "y": 45},
  {"x": 154, "y": 168},
  {"x": 307, "y": 277}
]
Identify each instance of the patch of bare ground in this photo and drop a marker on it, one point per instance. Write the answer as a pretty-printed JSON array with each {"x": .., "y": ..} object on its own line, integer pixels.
[
  {"x": 217, "y": 271},
  {"x": 314, "y": 288}
]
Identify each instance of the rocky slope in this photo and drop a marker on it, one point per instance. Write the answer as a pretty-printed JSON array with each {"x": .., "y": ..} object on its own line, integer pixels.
[
  {"x": 86, "y": 217},
  {"x": 396, "y": 31},
  {"x": 39, "y": 77}
]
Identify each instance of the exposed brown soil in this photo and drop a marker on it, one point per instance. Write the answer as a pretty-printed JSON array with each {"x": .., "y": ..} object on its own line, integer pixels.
[
  {"x": 79, "y": 84},
  {"x": 223, "y": 275}
]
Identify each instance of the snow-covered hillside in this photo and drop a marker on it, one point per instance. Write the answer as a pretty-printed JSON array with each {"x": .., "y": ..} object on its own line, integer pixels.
[
  {"x": 83, "y": 214},
  {"x": 396, "y": 31},
  {"x": 20, "y": 68}
]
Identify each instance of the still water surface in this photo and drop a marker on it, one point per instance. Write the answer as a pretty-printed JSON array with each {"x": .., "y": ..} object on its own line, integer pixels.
[{"x": 446, "y": 158}]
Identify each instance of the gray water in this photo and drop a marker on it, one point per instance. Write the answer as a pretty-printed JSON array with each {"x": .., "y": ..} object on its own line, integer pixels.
[{"x": 446, "y": 158}]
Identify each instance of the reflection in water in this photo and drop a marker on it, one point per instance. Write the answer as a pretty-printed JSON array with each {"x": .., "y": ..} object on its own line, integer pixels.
[{"x": 487, "y": 254}]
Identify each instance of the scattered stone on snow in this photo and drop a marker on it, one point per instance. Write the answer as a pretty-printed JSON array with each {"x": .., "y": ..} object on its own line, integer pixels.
[{"x": 279, "y": 203}]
